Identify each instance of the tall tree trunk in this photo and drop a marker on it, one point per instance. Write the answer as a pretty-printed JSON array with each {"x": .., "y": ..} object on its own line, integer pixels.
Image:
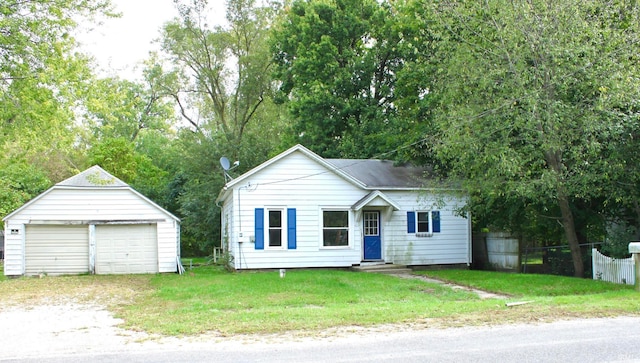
[
  {"x": 570, "y": 233},
  {"x": 554, "y": 162}
]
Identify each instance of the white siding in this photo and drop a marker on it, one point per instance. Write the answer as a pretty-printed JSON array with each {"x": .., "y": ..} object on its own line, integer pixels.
[
  {"x": 298, "y": 182},
  {"x": 168, "y": 248},
  {"x": 450, "y": 246},
  {"x": 85, "y": 206},
  {"x": 14, "y": 249},
  {"x": 227, "y": 224}
]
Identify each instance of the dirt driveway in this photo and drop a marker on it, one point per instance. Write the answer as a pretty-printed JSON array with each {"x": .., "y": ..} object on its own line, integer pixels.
[
  {"x": 74, "y": 329},
  {"x": 67, "y": 328}
]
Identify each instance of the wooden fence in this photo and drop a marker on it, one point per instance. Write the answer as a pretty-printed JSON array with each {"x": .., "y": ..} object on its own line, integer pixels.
[{"x": 619, "y": 271}]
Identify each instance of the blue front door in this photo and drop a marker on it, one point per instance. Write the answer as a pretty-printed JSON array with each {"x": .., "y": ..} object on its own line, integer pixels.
[{"x": 372, "y": 241}]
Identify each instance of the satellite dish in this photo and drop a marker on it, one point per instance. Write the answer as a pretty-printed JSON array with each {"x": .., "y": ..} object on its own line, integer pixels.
[{"x": 224, "y": 162}]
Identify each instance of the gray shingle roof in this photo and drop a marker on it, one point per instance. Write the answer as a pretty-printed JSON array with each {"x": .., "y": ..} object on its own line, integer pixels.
[
  {"x": 381, "y": 173},
  {"x": 95, "y": 176}
]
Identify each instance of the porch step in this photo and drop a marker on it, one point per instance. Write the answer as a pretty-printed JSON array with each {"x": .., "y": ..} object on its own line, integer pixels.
[{"x": 383, "y": 268}]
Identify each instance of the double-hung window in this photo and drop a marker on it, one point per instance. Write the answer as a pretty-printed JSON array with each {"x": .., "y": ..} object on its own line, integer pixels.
[
  {"x": 335, "y": 228},
  {"x": 275, "y": 227},
  {"x": 423, "y": 223}
]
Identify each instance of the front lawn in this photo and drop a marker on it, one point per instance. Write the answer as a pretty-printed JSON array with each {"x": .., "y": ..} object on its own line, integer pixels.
[
  {"x": 531, "y": 285},
  {"x": 207, "y": 300},
  {"x": 552, "y": 296}
]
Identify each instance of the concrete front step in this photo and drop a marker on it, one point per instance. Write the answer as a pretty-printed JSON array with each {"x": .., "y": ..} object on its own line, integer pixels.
[{"x": 383, "y": 268}]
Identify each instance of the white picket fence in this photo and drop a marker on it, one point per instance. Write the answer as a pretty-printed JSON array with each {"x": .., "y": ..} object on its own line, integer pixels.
[{"x": 619, "y": 271}]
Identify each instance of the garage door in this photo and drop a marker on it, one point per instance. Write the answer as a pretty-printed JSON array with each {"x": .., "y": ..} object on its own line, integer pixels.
[
  {"x": 56, "y": 249},
  {"x": 126, "y": 248}
]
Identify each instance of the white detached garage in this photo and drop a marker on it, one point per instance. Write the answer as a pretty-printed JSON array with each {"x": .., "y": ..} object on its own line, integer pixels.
[{"x": 91, "y": 223}]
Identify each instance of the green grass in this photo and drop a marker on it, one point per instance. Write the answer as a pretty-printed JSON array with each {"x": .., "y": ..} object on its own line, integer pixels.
[
  {"x": 208, "y": 300},
  {"x": 195, "y": 261},
  {"x": 529, "y": 285},
  {"x": 532, "y": 258},
  {"x": 261, "y": 302},
  {"x": 550, "y": 297}
]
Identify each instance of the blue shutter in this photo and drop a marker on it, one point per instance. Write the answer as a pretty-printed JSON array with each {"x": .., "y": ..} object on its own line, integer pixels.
[
  {"x": 411, "y": 222},
  {"x": 291, "y": 228},
  {"x": 259, "y": 229},
  {"x": 435, "y": 218}
]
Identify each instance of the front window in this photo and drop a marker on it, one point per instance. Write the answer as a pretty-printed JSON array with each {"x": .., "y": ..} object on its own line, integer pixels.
[
  {"x": 275, "y": 228},
  {"x": 423, "y": 222},
  {"x": 335, "y": 228}
]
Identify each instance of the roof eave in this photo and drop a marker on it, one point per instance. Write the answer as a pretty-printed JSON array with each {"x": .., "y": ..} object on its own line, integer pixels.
[
  {"x": 25, "y": 205},
  {"x": 222, "y": 195}
]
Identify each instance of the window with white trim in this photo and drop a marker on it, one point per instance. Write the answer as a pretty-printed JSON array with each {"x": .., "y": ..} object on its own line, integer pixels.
[
  {"x": 275, "y": 229},
  {"x": 423, "y": 223},
  {"x": 335, "y": 228},
  {"x": 275, "y": 223}
]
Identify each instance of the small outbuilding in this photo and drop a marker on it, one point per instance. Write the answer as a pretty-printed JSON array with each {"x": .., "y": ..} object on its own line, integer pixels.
[
  {"x": 91, "y": 223},
  {"x": 301, "y": 210}
]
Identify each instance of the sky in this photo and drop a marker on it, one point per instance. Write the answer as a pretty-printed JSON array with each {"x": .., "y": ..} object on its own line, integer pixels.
[{"x": 120, "y": 45}]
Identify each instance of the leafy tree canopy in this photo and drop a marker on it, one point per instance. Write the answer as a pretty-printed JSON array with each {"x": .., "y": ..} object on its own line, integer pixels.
[
  {"x": 528, "y": 96},
  {"x": 337, "y": 63},
  {"x": 41, "y": 80}
]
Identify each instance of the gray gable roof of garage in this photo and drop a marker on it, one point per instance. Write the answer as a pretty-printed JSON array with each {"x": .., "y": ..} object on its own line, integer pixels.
[
  {"x": 93, "y": 177},
  {"x": 381, "y": 174}
]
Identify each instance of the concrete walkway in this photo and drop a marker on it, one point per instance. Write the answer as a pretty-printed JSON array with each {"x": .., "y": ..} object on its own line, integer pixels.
[
  {"x": 481, "y": 293},
  {"x": 404, "y": 272}
]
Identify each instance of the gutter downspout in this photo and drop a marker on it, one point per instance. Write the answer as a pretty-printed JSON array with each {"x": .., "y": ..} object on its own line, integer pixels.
[
  {"x": 181, "y": 269},
  {"x": 470, "y": 244}
]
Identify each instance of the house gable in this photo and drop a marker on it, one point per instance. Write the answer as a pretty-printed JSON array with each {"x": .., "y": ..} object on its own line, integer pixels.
[
  {"x": 291, "y": 174},
  {"x": 376, "y": 199}
]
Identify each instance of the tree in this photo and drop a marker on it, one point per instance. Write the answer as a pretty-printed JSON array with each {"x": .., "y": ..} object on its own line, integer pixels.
[
  {"x": 130, "y": 132},
  {"x": 219, "y": 80},
  {"x": 337, "y": 63},
  {"x": 121, "y": 108},
  {"x": 41, "y": 80},
  {"x": 40, "y": 73},
  {"x": 525, "y": 97},
  {"x": 19, "y": 183},
  {"x": 117, "y": 156},
  {"x": 222, "y": 73}
]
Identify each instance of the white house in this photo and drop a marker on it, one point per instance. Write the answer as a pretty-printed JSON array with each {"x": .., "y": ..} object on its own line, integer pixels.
[
  {"x": 300, "y": 210},
  {"x": 91, "y": 223}
]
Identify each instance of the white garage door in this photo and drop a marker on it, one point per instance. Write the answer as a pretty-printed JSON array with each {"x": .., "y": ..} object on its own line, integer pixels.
[
  {"x": 56, "y": 249},
  {"x": 126, "y": 249}
]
